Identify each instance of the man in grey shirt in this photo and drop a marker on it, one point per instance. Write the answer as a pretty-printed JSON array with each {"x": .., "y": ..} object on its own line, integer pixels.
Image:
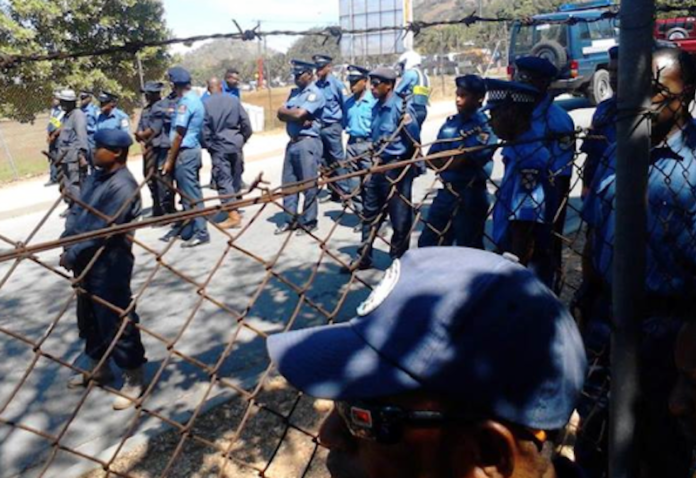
[
  {"x": 225, "y": 131},
  {"x": 73, "y": 146}
]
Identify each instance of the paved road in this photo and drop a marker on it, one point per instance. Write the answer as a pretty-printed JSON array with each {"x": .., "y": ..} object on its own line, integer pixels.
[{"x": 33, "y": 297}]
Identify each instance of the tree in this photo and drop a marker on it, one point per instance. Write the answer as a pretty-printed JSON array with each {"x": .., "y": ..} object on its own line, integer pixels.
[
  {"x": 307, "y": 46},
  {"x": 41, "y": 27}
]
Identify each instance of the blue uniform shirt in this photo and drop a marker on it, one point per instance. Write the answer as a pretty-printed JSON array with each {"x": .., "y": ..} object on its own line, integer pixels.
[
  {"x": 117, "y": 119},
  {"x": 525, "y": 193},
  {"x": 92, "y": 113},
  {"x": 552, "y": 120},
  {"x": 312, "y": 101},
  {"x": 409, "y": 80},
  {"x": 603, "y": 124},
  {"x": 460, "y": 132},
  {"x": 189, "y": 114},
  {"x": 333, "y": 90},
  {"x": 386, "y": 117},
  {"x": 671, "y": 254},
  {"x": 106, "y": 193},
  {"x": 358, "y": 115}
]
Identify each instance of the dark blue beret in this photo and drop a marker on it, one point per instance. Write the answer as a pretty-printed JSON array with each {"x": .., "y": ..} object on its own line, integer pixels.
[
  {"x": 501, "y": 92},
  {"x": 106, "y": 97},
  {"x": 540, "y": 67},
  {"x": 614, "y": 53},
  {"x": 179, "y": 75},
  {"x": 383, "y": 73},
  {"x": 322, "y": 60},
  {"x": 112, "y": 138},
  {"x": 357, "y": 72},
  {"x": 471, "y": 83},
  {"x": 153, "y": 87},
  {"x": 301, "y": 66}
]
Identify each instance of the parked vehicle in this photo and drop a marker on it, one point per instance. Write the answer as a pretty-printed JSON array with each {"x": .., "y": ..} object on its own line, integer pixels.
[{"x": 681, "y": 31}]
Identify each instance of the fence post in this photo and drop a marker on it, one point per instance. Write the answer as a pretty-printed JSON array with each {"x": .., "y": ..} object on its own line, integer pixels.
[{"x": 635, "y": 75}]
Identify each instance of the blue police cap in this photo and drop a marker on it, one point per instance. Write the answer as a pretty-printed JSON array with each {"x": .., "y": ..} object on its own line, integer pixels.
[
  {"x": 356, "y": 72},
  {"x": 179, "y": 75},
  {"x": 501, "y": 92},
  {"x": 112, "y": 138},
  {"x": 301, "y": 66},
  {"x": 322, "y": 60},
  {"x": 383, "y": 73},
  {"x": 106, "y": 97},
  {"x": 539, "y": 67},
  {"x": 471, "y": 83},
  {"x": 153, "y": 87},
  {"x": 614, "y": 53},
  {"x": 461, "y": 323},
  {"x": 85, "y": 94}
]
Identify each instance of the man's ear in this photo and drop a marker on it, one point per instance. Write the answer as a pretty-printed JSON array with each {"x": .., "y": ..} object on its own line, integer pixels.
[{"x": 496, "y": 449}]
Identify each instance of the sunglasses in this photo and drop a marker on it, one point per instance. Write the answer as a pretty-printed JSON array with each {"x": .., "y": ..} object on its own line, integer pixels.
[
  {"x": 385, "y": 424},
  {"x": 376, "y": 82}
]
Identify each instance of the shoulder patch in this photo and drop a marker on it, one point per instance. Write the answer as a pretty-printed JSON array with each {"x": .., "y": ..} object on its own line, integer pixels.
[
  {"x": 566, "y": 142},
  {"x": 382, "y": 291},
  {"x": 483, "y": 137},
  {"x": 124, "y": 123},
  {"x": 407, "y": 119},
  {"x": 529, "y": 179},
  {"x": 312, "y": 97},
  {"x": 182, "y": 109}
]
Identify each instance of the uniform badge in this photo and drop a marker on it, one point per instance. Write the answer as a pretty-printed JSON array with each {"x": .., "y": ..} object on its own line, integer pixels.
[
  {"x": 124, "y": 123},
  {"x": 312, "y": 97},
  {"x": 484, "y": 137},
  {"x": 408, "y": 119},
  {"x": 530, "y": 179},
  {"x": 566, "y": 142},
  {"x": 382, "y": 291},
  {"x": 182, "y": 109}
]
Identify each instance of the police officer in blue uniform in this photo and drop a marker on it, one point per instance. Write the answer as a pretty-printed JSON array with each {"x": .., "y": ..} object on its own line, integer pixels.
[
  {"x": 185, "y": 158},
  {"x": 414, "y": 86},
  {"x": 73, "y": 146},
  {"x": 111, "y": 117},
  {"x": 670, "y": 263},
  {"x": 91, "y": 113},
  {"x": 395, "y": 136},
  {"x": 552, "y": 121},
  {"x": 151, "y": 133},
  {"x": 458, "y": 212},
  {"x": 526, "y": 201},
  {"x": 357, "y": 121},
  {"x": 110, "y": 196},
  {"x": 603, "y": 126},
  {"x": 226, "y": 130},
  {"x": 53, "y": 130},
  {"x": 302, "y": 113},
  {"x": 332, "y": 126}
]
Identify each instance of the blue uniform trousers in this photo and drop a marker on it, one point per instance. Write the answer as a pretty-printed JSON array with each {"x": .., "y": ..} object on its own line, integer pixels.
[
  {"x": 73, "y": 175},
  {"x": 421, "y": 113},
  {"x": 109, "y": 279},
  {"x": 332, "y": 142},
  {"x": 226, "y": 167},
  {"x": 52, "y": 160},
  {"x": 457, "y": 215},
  {"x": 388, "y": 193},
  {"x": 160, "y": 185},
  {"x": 302, "y": 157},
  {"x": 360, "y": 160},
  {"x": 186, "y": 173}
]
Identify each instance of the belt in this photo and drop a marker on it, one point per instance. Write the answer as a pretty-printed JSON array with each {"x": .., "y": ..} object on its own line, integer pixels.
[
  {"x": 356, "y": 140},
  {"x": 297, "y": 139},
  {"x": 328, "y": 125}
]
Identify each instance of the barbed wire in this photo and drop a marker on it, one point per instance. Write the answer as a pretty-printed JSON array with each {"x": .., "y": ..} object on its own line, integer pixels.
[{"x": 8, "y": 60}]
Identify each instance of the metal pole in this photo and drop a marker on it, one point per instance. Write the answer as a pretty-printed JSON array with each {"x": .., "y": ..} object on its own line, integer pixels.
[
  {"x": 267, "y": 63},
  {"x": 635, "y": 74}
]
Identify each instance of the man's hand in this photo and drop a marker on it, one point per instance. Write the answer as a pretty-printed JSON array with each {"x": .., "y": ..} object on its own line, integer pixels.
[
  {"x": 168, "y": 167},
  {"x": 64, "y": 261},
  {"x": 83, "y": 161},
  {"x": 138, "y": 137}
]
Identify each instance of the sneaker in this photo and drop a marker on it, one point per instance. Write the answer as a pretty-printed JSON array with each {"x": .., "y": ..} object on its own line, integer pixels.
[
  {"x": 306, "y": 229},
  {"x": 357, "y": 264},
  {"x": 197, "y": 240},
  {"x": 283, "y": 228},
  {"x": 65, "y": 213},
  {"x": 102, "y": 376},
  {"x": 133, "y": 388}
]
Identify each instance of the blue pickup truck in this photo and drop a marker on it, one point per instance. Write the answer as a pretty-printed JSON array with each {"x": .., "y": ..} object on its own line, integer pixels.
[{"x": 578, "y": 49}]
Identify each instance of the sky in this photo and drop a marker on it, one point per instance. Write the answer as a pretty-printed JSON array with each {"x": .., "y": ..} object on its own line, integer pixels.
[{"x": 202, "y": 17}]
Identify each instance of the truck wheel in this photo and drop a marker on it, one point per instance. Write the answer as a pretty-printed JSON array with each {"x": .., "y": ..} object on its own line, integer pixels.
[
  {"x": 600, "y": 87},
  {"x": 677, "y": 34},
  {"x": 552, "y": 51}
]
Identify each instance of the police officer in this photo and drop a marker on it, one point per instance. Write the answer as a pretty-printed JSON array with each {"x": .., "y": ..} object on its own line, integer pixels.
[
  {"x": 460, "y": 364},
  {"x": 302, "y": 113},
  {"x": 111, "y": 197},
  {"x": 395, "y": 135},
  {"x": 552, "y": 121},
  {"x": 110, "y": 116},
  {"x": 357, "y": 121},
  {"x": 184, "y": 158},
  {"x": 526, "y": 199},
  {"x": 414, "y": 85},
  {"x": 53, "y": 129},
  {"x": 603, "y": 126},
  {"x": 226, "y": 130},
  {"x": 151, "y": 133},
  {"x": 91, "y": 112},
  {"x": 670, "y": 255},
  {"x": 73, "y": 146},
  {"x": 458, "y": 212},
  {"x": 332, "y": 125}
]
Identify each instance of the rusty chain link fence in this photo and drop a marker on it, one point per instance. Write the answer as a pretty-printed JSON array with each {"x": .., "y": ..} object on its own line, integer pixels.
[{"x": 213, "y": 405}]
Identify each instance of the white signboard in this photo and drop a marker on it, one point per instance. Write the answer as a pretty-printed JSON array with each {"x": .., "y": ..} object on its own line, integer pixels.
[{"x": 366, "y": 14}]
